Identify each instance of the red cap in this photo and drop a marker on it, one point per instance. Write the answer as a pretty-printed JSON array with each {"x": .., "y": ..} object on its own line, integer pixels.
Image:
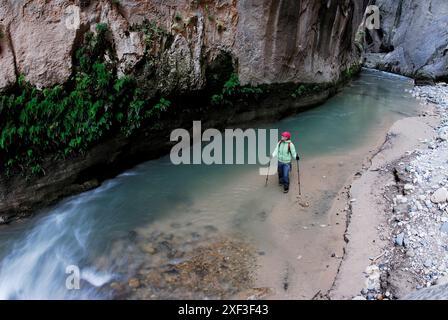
[{"x": 287, "y": 135}]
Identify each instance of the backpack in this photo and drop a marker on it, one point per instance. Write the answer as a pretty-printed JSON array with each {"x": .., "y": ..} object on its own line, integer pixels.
[{"x": 289, "y": 146}]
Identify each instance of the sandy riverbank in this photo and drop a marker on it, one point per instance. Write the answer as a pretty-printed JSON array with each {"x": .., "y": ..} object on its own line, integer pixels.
[
  {"x": 304, "y": 238},
  {"x": 396, "y": 235},
  {"x": 368, "y": 206}
]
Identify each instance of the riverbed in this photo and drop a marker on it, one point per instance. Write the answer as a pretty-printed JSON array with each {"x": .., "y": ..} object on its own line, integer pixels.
[{"x": 196, "y": 231}]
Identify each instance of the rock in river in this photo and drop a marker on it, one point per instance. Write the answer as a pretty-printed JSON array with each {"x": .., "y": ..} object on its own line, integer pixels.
[
  {"x": 134, "y": 283},
  {"x": 148, "y": 248}
]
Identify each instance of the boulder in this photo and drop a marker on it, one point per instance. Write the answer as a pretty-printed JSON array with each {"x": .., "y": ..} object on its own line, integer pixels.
[
  {"x": 373, "y": 280},
  {"x": 443, "y": 134},
  {"x": 440, "y": 196},
  {"x": 427, "y": 263},
  {"x": 444, "y": 228},
  {"x": 408, "y": 188},
  {"x": 401, "y": 199},
  {"x": 442, "y": 281}
]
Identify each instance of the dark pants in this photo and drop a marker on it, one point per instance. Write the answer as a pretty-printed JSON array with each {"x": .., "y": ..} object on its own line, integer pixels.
[{"x": 283, "y": 173}]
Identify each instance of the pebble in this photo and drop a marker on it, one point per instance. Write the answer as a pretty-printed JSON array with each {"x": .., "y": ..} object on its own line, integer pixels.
[
  {"x": 408, "y": 188},
  {"x": 428, "y": 263},
  {"x": 419, "y": 206},
  {"x": 148, "y": 248},
  {"x": 399, "y": 239},
  {"x": 410, "y": 253},
  {"x": 443, "y": 134},
  {"x": 401, "y": 199}
]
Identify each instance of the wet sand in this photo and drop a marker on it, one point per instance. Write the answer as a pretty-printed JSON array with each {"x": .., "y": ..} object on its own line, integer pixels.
[
  {"x": 307, "y": 256},
  {"x": 304, "y": 235}
]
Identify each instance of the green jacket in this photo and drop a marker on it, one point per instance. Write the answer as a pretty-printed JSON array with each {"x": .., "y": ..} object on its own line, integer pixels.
[{"x": 283, "y": 154}]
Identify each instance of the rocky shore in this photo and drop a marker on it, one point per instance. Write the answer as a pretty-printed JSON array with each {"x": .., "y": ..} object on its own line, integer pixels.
[
  {"x": 420, "y": 225},
  {"x": 409, "y": 257}
]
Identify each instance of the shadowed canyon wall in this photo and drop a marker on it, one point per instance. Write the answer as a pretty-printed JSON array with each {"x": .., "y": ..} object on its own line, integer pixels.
[{"x": 413, "y": 39}]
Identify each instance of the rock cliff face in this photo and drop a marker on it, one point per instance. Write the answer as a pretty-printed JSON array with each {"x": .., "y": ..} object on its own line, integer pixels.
[
  {"x": 290, "y": 40},
  {"x": 413, "y": 39},
  {"x": 271, "y": 41}
]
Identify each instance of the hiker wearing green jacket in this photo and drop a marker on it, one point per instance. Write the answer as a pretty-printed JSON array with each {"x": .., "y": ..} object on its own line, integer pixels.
[{"x": 285, "y": 152}]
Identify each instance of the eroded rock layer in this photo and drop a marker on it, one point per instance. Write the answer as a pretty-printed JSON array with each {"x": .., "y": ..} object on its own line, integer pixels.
[{"x": 272, "y": 41}]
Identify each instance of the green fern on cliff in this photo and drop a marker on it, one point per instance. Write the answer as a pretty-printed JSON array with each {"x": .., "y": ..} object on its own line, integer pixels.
[
  {"x": 66, "y": 120},
  {"x": 233, "y": 89}
]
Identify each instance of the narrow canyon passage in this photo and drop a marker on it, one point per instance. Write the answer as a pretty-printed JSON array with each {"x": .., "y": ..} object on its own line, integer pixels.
[{"x": 137, "y": 224}]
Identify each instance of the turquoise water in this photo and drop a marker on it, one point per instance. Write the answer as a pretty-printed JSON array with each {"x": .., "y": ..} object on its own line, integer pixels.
[
  {"x": 35, "y": 253},
  {"x": 348, "y": 119}
]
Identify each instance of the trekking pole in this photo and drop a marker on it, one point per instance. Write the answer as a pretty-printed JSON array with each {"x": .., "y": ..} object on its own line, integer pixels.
[
  {"x": 298, "y": 175},
  {"x": 267, "y": 176}
]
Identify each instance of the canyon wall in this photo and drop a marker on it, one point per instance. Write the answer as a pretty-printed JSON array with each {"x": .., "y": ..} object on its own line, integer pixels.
[
  {"x": 271, "y": 41},
  {"x": 176, "y": 49},
  {"x": 413, "y": 39}
]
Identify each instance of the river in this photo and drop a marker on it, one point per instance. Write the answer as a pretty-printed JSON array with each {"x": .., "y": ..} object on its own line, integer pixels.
[{"x": 147, "y": 220}]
